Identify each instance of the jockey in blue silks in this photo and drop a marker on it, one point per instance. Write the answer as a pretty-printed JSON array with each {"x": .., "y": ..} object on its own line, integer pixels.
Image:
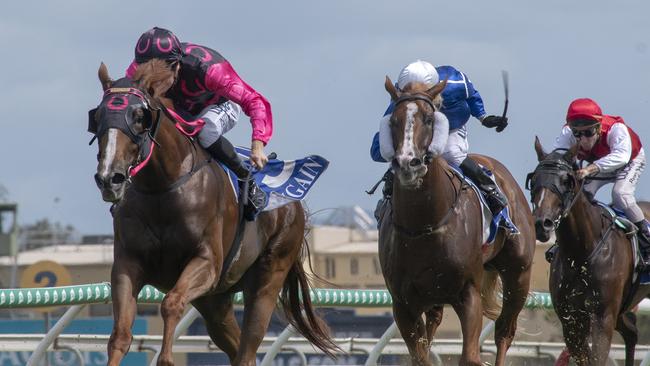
[{"x": 460, "y": 100}]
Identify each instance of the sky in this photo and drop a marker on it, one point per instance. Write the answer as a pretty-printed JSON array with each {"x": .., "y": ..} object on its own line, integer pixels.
[{"x": 322, "y": 66}]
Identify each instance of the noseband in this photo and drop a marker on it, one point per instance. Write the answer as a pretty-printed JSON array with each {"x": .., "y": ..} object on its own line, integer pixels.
[{"x": 551, "y": 181}]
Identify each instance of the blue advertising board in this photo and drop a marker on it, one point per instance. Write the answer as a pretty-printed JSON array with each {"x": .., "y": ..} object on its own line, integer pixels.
[{"x": 64, "y": 358}]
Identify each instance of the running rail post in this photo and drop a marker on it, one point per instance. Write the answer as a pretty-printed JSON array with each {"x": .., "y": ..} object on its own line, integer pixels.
[
  {"x": 54, "y": 332},
  {"x": 182, "y": 326},
  {"x": 276, "y": 347},
  {"x": 489, "y": 329},
  {"x": 375, "y": 353}
]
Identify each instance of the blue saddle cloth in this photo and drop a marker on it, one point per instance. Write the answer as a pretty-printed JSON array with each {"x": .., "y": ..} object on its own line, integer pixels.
[
  {"x": 491, "y": 223},
  {"x": 624, "y": 223},
  {"x": 282, "y": 181}
]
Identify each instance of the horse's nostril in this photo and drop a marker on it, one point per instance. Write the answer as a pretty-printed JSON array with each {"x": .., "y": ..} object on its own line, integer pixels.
[
  {"x": 118, "y": 178},
  {"x": 415, "y": 162},
  {"x": 99, "y": 181},
  {"x": 548, "y": 224}
]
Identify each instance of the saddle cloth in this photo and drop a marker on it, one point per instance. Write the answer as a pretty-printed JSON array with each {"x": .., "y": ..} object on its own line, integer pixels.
[
  {"x": 282, "y": 181},
  {"x": 491, "y": 223},
  {"x": 630, "y": 230}
]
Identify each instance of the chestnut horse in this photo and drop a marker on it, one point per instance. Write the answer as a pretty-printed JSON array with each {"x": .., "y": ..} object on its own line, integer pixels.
[
  {"x": 175, "y": 222},
  {"x": 591, "y": 279},
  {"x": 430, "y": 240}
]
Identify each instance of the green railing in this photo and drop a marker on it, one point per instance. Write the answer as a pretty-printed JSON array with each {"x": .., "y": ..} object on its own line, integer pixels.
[{"x": 101, "y": 293}]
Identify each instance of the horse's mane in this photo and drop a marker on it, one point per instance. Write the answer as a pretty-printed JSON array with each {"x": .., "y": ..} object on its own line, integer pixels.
[
  {"x": 154, "y": 74},
  {"x": 417, "y": 87}
]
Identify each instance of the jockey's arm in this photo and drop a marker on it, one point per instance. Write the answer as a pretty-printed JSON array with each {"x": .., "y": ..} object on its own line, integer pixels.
[
  {"x": 620, "y": 145},
  {"x": 222, "y": 79},
  {"x": 474, "y": 101},
  {"x": 375, "y": 151},
  {"x": 565, "y": 140}
]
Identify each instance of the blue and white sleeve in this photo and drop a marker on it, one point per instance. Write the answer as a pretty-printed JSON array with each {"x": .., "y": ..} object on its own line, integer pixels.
[{"x": 474, "y": 100}]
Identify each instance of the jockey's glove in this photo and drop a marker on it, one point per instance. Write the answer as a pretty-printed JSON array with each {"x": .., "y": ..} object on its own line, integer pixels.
[{"x": 495, "y": 121}]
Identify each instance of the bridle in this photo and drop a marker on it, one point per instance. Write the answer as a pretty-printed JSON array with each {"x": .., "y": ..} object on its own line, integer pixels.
[
  {"x": 122, "y": 100},
  {"x": 550, "y": 179},
  {"x": 427, "y": 157}
]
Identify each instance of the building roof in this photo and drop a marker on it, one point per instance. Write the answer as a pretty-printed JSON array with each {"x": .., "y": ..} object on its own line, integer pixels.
[{"x": 65, "y": 254}]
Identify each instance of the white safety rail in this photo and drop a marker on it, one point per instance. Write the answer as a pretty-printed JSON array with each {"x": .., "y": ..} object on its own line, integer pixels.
[{"x": 287, "y": 342}]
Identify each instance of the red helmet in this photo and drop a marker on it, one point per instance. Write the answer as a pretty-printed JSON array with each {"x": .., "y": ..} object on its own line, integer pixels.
[
  {"x": 583, "y": 112},
  {"x": 158, "y": 43}
]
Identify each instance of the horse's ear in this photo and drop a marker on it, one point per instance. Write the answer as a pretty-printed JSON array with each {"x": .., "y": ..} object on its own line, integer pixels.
[
  {"x": 391, "y": 89},
  {"x": 437, "y": 89},
  {"x": 539, "y": 149},
  {"x": 571, "y": 155},
  {"x": 104, "y": 79}
]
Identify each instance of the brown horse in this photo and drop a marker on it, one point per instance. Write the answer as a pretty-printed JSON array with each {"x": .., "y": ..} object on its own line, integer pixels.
[
  {"x": 591, "y": 274},
  {"x": 176, "y": 221},
  {"x": 430, "y": 241}
]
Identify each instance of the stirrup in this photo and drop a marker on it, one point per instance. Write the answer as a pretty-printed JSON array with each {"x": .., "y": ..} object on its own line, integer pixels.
[{"x": 255, "y": 202}]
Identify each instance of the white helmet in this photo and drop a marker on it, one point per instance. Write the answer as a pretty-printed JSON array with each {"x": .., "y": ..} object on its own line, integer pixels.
[{"x": 418, "y": 71}]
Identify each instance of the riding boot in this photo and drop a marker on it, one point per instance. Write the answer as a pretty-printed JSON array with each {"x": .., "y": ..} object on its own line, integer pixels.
[
  {"x": 249, "y": 191},
  {"x": 387, "y": 192},
  {"x": 495, "y": 199},
  {"x": 644, "y": 243}
]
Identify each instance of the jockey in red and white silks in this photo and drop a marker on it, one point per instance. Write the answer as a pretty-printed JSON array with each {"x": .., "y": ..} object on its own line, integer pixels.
[{"x": 614, "y": 151}]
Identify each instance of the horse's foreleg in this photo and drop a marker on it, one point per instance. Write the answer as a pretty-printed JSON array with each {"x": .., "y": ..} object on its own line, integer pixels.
[
  {"x": 125, "y": 286},
  {"x": 515, "y": 291},
  {"x": 412, "y": 328},
  {"x": 469, "y": 310},
  {"x": 218, "y": 312},
  {"x": 575, "y": 328},
  {"x": 601, "y": 334},
  {"x": 433, "y": 318},
  {"x": 626, "y": 326},
  {"x": 197, "y": 278}
]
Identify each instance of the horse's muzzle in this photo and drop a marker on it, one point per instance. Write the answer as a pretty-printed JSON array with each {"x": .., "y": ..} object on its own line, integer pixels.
[
  {"x": 111, "y": 185},
  {"x": 410, "y": 172},
  {"x": 543, "y": 229}
]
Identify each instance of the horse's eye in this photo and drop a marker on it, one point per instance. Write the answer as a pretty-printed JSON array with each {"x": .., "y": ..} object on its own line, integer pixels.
[{"x": 138, "y": 115}]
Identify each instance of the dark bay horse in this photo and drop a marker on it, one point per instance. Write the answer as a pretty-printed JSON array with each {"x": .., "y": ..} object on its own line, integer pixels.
[
  {"x": 591, "y": 274},
  {"x": 430, "y": 241},
  {"x": 175, "y": 221}
]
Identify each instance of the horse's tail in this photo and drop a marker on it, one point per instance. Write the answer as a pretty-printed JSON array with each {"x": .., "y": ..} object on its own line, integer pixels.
[
  {"x": 490, "y": 290},
  {"x": 299, "y": 311}
]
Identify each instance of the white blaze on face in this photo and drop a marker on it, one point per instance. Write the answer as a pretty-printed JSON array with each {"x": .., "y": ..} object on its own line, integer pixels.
[
  {"x": 109, "y": 152},
  {"x": 540, "y": 199},
  {"x": 407, "y": 153}
]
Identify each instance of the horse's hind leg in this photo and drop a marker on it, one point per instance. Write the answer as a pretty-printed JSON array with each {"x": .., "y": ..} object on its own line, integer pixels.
[
  {"x": 469, "y": 310},
  {"x": 263, "y": 283},
  {"x": 626, "y": 326},
  {"x": 412, "y": 328},
  {"x": 219, "y": 315},
  {"x": 515, "y": 291},
  {"x": 125, "y": 286}
]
